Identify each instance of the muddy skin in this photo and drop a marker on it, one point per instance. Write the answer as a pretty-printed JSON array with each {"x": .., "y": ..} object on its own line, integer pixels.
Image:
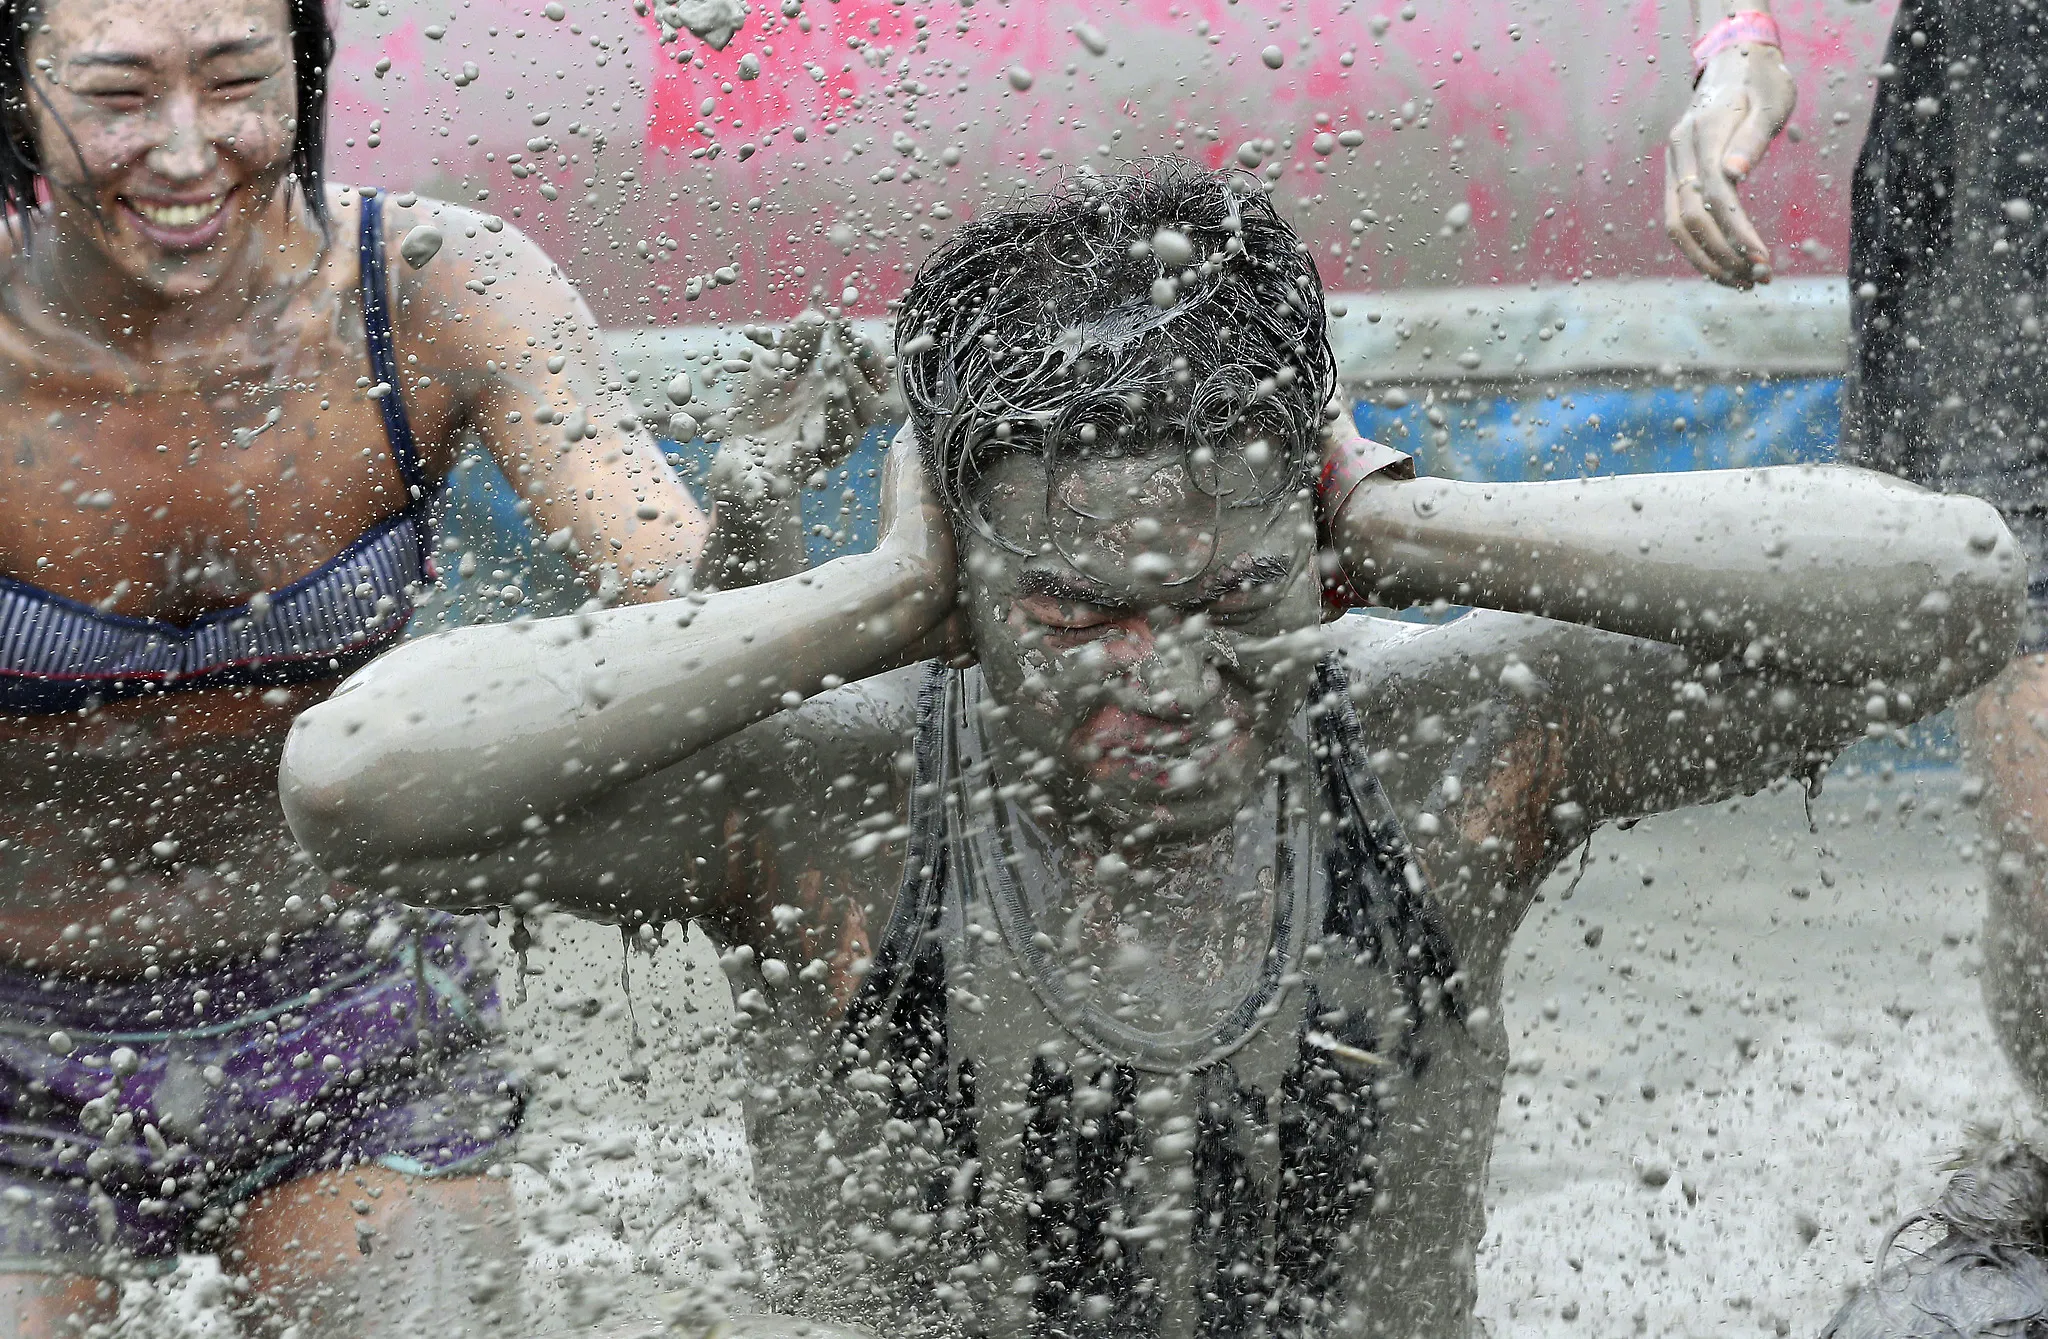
[
  {"x": 1732, "y": 559},
  {"x": 1500, "y": 738},
  {"x": 591, "y": 685}
]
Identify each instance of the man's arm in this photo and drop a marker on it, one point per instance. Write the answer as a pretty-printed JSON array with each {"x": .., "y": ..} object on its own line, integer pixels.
[
  {"x": 722, "y": 836},
  {"x": 1742, "y": 97},
  {"x": 1765, "y": 616},
  {"x": 1503, "y": 739},
  {"x": 786, "y": 838},
  {"x": 444, "y": 745},
  {"x": 1822, "y": 572},
  {"x": 1549, "y": 727}
]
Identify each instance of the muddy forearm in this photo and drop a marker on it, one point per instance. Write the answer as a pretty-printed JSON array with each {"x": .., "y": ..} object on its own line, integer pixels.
[
  {"x": 449, "y": 744},
  {"x": 1826, "y": 572}
]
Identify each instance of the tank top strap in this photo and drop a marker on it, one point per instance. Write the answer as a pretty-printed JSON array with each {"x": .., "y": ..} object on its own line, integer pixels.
[
  {"x": 1349, "y": 775},
  {"x": 1380, "y": 898},
  {"x": 375, "y": 282},
  {"x": 924, "y": 864}
]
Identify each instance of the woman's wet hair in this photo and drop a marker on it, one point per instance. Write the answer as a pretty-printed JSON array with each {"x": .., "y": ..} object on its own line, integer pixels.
[
  {"x": 21, "y": 159},
  {"x": 1167, "y": 306}
]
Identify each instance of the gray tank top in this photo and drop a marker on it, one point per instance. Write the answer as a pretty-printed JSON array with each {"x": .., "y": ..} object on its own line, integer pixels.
[{"x": 1234, "y": 1123}]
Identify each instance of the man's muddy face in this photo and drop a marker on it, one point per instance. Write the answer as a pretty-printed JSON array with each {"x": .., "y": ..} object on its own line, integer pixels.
[{"x": 1155, "y": 648}]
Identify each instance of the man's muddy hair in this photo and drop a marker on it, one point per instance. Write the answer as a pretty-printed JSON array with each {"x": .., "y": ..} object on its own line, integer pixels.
[
  {"x": 21, "y": 159},
  {"x": 1058, "y": 329}
]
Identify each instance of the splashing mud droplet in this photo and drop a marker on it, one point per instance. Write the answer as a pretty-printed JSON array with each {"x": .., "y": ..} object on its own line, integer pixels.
[
  {"x": 420, "y": 245},
  {"x": 713, "y": 22},
  {"x": 1172, "y": 247}
]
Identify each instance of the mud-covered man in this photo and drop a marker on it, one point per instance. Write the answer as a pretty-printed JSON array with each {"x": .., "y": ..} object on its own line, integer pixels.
[{"x": 1143, "y": 978}]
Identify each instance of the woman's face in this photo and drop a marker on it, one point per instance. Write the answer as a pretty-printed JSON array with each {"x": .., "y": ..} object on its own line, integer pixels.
[{"x": 174, "y": 119}]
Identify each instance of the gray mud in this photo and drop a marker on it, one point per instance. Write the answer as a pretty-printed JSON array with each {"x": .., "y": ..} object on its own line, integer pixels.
[{"x": 1754, "y": 1073}]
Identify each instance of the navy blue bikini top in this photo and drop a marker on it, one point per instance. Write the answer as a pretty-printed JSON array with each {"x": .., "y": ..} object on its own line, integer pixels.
[{"x": 59, "y": 655}]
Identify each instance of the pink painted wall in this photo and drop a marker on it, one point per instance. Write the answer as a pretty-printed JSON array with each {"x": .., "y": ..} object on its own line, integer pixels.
[{"x": 1545, "y": 117}]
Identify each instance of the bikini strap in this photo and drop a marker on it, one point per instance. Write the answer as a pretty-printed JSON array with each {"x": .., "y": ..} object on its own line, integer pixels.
[{"x": 383, "y": 354}]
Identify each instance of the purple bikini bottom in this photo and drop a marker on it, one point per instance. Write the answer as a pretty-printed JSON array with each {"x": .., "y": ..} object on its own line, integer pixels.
[{"x": 146, "y": 1126}]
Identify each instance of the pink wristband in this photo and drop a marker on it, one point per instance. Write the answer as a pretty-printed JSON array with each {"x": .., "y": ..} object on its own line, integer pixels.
[{"x": 1751, "y": 26}]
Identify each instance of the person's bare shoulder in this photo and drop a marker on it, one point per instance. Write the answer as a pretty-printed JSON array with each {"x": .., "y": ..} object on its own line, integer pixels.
[
  {"x": 461, "y": 270},
  {"x": 1393, "y": 663},
  {"x": 1474, "y": 657},
  {"x": 1413, "y": 686},
  {"x": 1428, "y": 695},
  {"x": 802, "y": 784},
  {"x": 811, "y": 805},
  {"x": 864, "y": 718},
  {"x": 437, "y": 240}
]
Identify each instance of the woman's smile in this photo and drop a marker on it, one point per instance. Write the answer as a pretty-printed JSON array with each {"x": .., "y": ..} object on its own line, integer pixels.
[{"x": 177, "y": 225}]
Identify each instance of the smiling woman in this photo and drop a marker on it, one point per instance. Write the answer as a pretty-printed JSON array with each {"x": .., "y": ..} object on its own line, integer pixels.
[
  {"x": 248, "y": 117},
  {"x": 230, "y": 413}
]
